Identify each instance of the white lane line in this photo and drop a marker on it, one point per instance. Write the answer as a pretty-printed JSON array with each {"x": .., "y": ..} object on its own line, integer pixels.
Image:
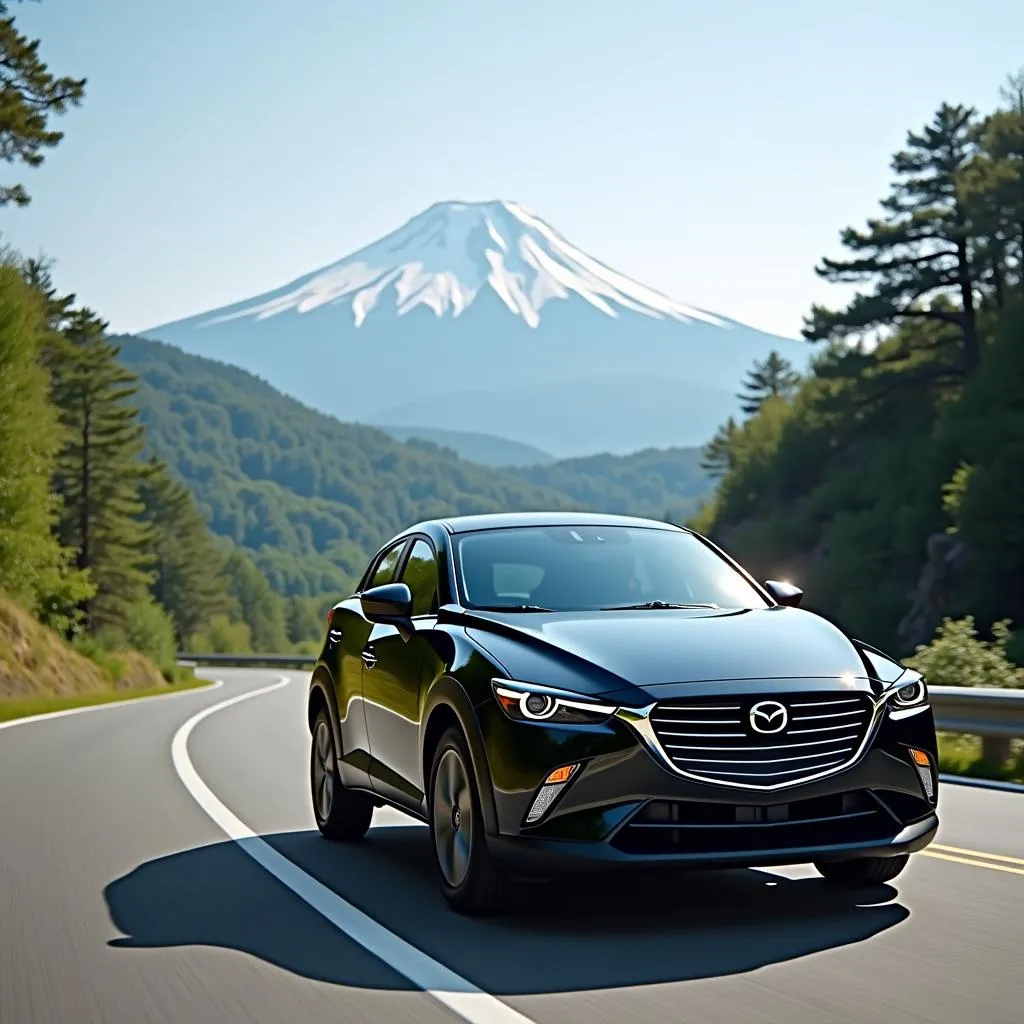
[
  {"x": 461, "y": 996},
  {"x": 127, "y": 702}
]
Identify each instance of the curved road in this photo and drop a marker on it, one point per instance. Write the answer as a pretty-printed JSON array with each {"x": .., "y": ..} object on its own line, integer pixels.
[{"x": 142, "y": 883}]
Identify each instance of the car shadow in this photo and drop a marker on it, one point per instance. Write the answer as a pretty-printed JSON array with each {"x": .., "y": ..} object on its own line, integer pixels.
[{"x": 585, "y": 933}]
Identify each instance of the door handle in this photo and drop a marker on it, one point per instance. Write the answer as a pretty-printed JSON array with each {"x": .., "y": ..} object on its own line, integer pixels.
[{"x": 369, "y": 658}]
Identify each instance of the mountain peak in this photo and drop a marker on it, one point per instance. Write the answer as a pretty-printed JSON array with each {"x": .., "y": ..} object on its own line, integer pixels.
[{"x": 447, "y": 256}]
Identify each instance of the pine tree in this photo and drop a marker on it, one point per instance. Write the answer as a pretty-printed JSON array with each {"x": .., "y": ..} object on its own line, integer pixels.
[
  {"x": 775, "y": 377},
  {"x": 994, "y": 190},
  {"x": 918, "y": 257},
  {"x": 29, "y": 97},
  {"x": 717, "y": 457},
  {"x": 188, "y": 570},
  {"x": 31, "y": 560},
  {"x": 99, "y": 471}
]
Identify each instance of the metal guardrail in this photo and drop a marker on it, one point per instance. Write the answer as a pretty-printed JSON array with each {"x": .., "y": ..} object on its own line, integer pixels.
[
  {"x": 980, "y": 711},
  {"x": 247, "y": 660}
]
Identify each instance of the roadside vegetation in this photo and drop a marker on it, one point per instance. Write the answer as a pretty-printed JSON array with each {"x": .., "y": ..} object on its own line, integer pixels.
[{"x": 888, "y": 482}]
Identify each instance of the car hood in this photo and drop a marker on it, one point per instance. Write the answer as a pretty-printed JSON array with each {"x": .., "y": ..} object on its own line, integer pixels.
[{"x": 656, "y": 648}]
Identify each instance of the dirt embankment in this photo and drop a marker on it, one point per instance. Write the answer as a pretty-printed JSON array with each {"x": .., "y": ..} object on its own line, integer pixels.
[{"x": 36, "y": 662}]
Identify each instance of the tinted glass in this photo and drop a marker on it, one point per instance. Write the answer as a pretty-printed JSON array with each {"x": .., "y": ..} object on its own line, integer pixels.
[
  {"x": 585, "y": 567},
  {"x": 420, "y": 576},
  {"x": 385, "y": 572}
]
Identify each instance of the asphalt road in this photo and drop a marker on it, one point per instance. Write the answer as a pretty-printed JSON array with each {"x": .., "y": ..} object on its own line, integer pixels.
[{"x": 156, "y": 867}]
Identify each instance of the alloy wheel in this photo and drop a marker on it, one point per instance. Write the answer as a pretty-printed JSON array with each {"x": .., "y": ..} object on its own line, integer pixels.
[
  {"x": 452, "y": 811},
  {"x": 323, "y": 770}
]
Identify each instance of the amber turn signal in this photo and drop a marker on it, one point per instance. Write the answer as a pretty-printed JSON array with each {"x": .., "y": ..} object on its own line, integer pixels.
[
  {"x": 562, "y": 774},
  {"x": 920, "y": 757}
]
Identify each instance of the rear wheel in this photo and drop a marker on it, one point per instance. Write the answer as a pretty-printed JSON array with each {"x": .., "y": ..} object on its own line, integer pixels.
[
  {"x": 341, "y": 814},
  {"x": 863, "y": 871},
  {"x": 471, "y": 881}
]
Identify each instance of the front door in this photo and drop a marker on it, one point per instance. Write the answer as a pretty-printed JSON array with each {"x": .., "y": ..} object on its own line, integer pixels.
[{"x": 394, "y": 671}]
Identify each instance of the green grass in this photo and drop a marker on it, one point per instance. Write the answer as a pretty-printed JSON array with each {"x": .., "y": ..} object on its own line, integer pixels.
[
  {"x": 960, "y": 754},
  {"x": 22, "y": 707}
]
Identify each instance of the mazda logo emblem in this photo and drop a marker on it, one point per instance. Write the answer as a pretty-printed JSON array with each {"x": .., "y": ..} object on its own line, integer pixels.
[{"x": 768, "y": 716}]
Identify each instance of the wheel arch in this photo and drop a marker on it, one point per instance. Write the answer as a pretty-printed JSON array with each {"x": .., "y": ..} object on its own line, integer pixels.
[
  {"x": 321, "y": 695},
  {"x": 448, "y": 705}
]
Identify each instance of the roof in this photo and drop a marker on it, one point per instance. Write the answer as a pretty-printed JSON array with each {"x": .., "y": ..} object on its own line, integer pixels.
[{"x": 504, "y": 520}]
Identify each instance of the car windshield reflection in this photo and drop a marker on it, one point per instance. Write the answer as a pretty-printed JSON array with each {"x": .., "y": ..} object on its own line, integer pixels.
[{"x": 596, "y": 568}]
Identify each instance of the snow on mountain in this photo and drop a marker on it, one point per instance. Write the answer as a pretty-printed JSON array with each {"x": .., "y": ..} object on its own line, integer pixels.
[
  {"x": 480, "y": 317},
  {"x": 443, "y": 257}
]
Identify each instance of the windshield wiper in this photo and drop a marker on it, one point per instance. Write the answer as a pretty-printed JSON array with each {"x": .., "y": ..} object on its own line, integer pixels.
[
  {"x": 645, "y": 605},
  {"x": 513, "y": 608}
]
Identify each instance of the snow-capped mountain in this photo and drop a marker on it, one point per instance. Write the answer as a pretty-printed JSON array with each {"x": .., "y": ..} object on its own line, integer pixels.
[
  {"x": 442, "y": 259},
  {"x": 482, "y": 317}
]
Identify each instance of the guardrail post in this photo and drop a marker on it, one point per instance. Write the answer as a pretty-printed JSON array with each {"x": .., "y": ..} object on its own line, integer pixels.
[{"x": 995, "y": 749}]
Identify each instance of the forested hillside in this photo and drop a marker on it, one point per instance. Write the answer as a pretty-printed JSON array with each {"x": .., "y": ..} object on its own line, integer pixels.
[
  {"x": 663, "y": 483},
  {"x": 312, "y": 497},
  {"x": 890, "y": 482}
]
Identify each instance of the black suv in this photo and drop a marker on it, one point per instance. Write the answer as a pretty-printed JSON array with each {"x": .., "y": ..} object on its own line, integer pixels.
[{"x": 553, "y": 691}]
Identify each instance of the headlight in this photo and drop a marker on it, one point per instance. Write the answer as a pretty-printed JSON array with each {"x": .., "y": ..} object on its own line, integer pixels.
[
  {"x": 906, "y": 698},
  {"x": 527, "y": 702},
  {"x": 910, "y": 694}
]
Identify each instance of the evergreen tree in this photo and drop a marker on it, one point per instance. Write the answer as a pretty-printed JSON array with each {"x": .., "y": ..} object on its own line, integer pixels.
[
  {"x": 32, "y": 563},
  {"x": 994, "y": 189},
  {"x": 717, "y": 457},
  {"x": 188, "y": 580},
  {"x": 917, "y": 257},
  {"x": 773, "y": 378},
  {"x": 99, "y": 471},
  {"x": 260, "y": 608},
  {"x": 29, "y": 97}
]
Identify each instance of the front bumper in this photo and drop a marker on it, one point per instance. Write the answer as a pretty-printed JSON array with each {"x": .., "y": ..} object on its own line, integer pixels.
[
  {"x": 536, "y": 855},
  {"x": 624, "y": 806}
]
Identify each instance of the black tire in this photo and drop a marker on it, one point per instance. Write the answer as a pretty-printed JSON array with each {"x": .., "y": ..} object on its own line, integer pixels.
[
  {"x": 863, "y": 871},
  {"x": 472, "y": 883},
  {"x": 341, "y": 814}
]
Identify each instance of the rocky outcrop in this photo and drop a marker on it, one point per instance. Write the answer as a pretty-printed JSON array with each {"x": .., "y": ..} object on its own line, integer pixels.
[{"x": 941, "y": 577}]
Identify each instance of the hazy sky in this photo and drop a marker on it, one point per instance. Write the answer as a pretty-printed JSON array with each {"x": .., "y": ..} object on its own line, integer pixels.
[{"x": 711, "y": 150}]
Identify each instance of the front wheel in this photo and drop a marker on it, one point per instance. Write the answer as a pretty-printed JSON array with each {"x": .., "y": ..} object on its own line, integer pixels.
[
  {"x": 471, "y": 881},
  {"x": 863, "y": 871},
  {"x": 341, "y": 814}
]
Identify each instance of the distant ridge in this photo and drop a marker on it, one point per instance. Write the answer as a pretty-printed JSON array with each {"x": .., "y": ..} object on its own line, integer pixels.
[{"x": 484, "y": 449}]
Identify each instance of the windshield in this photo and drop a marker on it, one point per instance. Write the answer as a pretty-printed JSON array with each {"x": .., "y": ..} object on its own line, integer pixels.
[{"x": 581, "y": 568}]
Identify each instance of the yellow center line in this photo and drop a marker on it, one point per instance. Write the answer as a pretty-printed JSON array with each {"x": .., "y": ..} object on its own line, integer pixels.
[
  {"x": 972, "y": 863},
  {"x": 977, "y": 853}
]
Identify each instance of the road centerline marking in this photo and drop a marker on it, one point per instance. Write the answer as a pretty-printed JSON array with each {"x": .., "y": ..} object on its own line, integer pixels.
[
  {"x": 460, "y": 995},
  {"x": 977, "y": 853},
  {"x": 972, "y": 862}
]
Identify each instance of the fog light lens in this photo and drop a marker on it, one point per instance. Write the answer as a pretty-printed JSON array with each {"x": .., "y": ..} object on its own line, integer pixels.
[
  {"x": 553, "y": 785},
  {"x": 923, "y": 764}
]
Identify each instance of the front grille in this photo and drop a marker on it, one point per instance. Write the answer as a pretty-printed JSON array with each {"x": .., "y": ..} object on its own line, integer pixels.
[
  {"x": 715, "y": 739},
  {"x": 673, "y": 826}
]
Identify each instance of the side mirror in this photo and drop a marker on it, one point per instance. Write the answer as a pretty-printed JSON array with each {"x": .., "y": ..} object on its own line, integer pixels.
[
  {"x": 784, "y": 593},
  {"x": 389, "y": 605}
]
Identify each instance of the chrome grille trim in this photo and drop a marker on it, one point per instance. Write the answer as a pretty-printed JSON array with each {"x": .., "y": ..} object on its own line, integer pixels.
[{"x": 824, "y": 749}]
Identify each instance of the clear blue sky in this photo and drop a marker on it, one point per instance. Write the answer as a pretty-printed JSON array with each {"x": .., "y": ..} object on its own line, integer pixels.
[{"x": 712, "y": 150}]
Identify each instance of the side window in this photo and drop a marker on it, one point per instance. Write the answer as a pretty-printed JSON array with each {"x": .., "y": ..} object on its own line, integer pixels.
[
  {"x": 385, "y": 571},
  {"x": 420, "y": 576}
]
